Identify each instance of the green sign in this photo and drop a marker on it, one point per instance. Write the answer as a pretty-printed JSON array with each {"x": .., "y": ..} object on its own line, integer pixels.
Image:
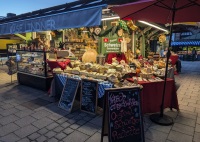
[{"x": 111, "y": 45}]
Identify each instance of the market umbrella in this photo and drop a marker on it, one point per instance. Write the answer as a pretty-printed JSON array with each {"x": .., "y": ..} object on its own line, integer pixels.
[{"x": 161, "y": 11}]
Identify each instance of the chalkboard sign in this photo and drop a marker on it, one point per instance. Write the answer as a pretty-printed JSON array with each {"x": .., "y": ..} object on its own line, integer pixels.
[
  {"x": 122, "y": 111},
  {"x": 68, "y": 94},
  {"x": 89, "y": 89}
]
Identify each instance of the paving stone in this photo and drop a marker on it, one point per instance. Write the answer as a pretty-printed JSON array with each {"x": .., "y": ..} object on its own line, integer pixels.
[
  {"x": 52, "y": 126},
  {"x": 34, "y": 136},
  {"x": 87, "y": 118},
  {"x": 24, "y": 140},
  {"x": 20, "y": 107},
  {"x": 42, "y": 122},
  {"x": 71, "y": 121},
  {"x": 8, "y": 119},
  {"x": 41, "y": 139},
  {"x": 185, "y": 121},
  {"x": 196, "y": 137},
  {"x": 165, "y": 129},
  {"x": 40, "y": 114},
  {"x": 74, "y": 126},
  {"x": 9, "y": 111},
  {"x": 60, "y": 136},
  {"x": 58, "y": 129},
  {"x": 187, "y": 115},
  {"x": 81, "y": 122},
  {"x": 88, "y": 129},
  {"x": 55, "y": 116},
  {"x": 187, "y": 108},
  {"x": 179, "y": 137},
  {"x": 97, "y": 121},
  {"x": 190, "y": 100},
  {"x": 7, "y": 106},
  {"x": 53, "y": 140},
  {"x": 68, "y": 131},
  {"x": 9, "y": 138},
  {"x": 50, "y": 134},
  {"x": 198, "y": 120},
  {"x": 197, "y": 128},
  {"x": 43, "y": 131},
  {"x": 95, "y": 137},
  {"x": 82, "y": 114},
  {"x": 25, "y": 131},
  {"x": 183, "y": 129},
  {"x": 62, "y": 112},
  {"x": 24, "y": 113},
  {"x": 62, "y": 120},
  {"x": 65, "y": 124},
  {"x": 156, "y": 135},
  {"x": 25, "y": 121},
  {"x": 172, "y": 114},
  {"x": 76, "y": 137},
  {"x": 197, "y": 106}
]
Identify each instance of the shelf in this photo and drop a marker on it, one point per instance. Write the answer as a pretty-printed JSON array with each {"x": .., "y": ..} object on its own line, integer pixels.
[{"x": 74, "y": 42}]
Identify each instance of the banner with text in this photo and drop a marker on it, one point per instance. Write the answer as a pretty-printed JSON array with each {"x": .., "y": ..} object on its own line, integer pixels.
[{"x": 70, "y": 19}]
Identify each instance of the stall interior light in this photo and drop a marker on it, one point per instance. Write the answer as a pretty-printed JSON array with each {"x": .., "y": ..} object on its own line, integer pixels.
[
  {"x": 152, "y": 25},
  {"x": 110, "y": 18}
]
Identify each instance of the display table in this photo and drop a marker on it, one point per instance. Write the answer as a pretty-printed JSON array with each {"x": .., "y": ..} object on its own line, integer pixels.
[
  {"x": 151, "y": 95},
  {"x": 60, "y": 64},
  {"x": 60, "y": 80}
]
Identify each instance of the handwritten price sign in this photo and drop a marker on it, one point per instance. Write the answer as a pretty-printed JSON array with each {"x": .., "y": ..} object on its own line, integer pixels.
[{"x": 124, "y": 115}]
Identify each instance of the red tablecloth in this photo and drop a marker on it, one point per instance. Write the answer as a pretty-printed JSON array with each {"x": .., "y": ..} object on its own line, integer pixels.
[
  {"x": 151, "y": 95},
  {"x": 60, "y": 64}
]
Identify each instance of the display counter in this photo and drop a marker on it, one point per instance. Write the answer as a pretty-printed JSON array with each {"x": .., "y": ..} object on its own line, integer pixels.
[
  {"x": 151, "y": 93},
  {"x": 32, "y": 69}
]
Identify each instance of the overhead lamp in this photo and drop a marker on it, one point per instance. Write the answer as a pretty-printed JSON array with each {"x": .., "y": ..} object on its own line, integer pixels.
[
  {"x": 110, "y": 18},
  {"x": 155, "y": 26}
]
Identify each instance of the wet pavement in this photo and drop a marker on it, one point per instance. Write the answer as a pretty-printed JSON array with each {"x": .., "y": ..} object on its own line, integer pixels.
[{"x": 28, "y": 114}]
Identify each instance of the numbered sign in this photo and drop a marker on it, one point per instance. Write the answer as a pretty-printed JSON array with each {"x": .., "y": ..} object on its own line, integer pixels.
[{"x": 88, "y": 101}]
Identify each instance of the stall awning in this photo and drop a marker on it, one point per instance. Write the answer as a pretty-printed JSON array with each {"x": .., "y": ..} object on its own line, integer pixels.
[
  {"x": 83, "y": 17},
  {"x": 186, "y": 43}
]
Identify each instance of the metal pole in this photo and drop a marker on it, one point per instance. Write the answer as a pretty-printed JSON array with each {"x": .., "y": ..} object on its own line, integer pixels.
[{"x": 168, "y": 55}]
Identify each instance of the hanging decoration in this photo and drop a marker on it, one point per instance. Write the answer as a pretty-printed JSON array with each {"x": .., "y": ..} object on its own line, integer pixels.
[
  {"x": 123, "y": 25},
  {"x": 162, "y": 38},
  {"x": 132, "y": 26}
]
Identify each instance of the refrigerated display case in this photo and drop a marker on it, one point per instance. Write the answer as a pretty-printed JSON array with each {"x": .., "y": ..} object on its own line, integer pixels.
[{"x": 32, "y": 69}]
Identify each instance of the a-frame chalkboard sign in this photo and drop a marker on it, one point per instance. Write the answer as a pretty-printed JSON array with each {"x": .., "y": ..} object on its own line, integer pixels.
[
  {"x": 88, "y": 97},
  {"x": 122, "y": 117},
  {"x": 69, "y": 94}
]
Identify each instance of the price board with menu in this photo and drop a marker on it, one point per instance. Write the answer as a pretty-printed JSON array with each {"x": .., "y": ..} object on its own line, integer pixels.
[
  {"x": 88, "y": 100},
  {"x": 122, "y": 119},
  {"x": 68, "y": 94}
]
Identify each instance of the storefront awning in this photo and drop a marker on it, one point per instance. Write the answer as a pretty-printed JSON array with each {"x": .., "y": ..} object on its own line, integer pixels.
[
  {"x": 186, "y": 43},
  {"x": 83, "y": 17}
]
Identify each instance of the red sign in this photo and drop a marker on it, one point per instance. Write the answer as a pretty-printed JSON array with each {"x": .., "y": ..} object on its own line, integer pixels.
[{"x": 106, "y": 40}]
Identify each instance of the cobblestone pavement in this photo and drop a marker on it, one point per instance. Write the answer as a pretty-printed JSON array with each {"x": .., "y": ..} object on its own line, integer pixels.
[{"x": 27, "y": 114}]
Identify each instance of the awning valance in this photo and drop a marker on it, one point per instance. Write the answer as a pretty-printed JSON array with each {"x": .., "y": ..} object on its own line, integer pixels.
[
  {"x": 85, "y": 17},
  {"x": 186, "y": 43}
]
